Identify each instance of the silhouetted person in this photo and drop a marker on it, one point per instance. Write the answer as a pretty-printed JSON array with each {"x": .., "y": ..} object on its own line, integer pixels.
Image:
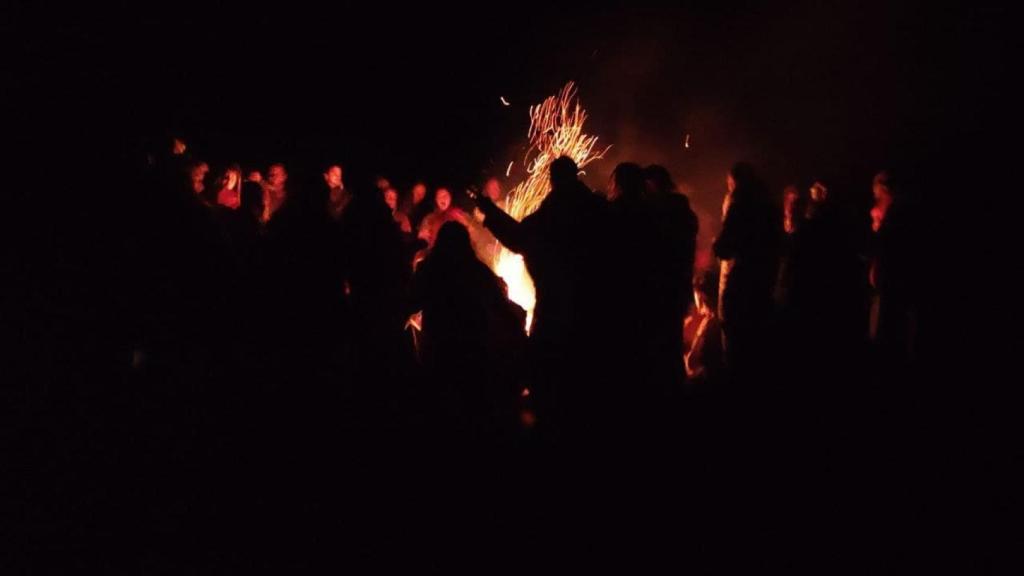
[
  {"x": 417, "y": 206},
  {"x": 894, "y": 273},
  {"x": 170, "y": 165},
  {"x": 564, "y": 250},
  {"x": 826, "y": 302},
  {"x": 748, "y": 247},
  {"x": 305, "y": 278},
  {"x": 675, "y": 228},
  {"x": 183, "y": 278},
  {"x": 794, "y": 207},
  {"x": 638, "y": 304},
  {"x": 249, "y": 295},
  {"x": 252, "y": 201},
  {"x": 472, "y": 338},
  {"x": 378, "y": 269},
  {"x": 243, "y": 224}
]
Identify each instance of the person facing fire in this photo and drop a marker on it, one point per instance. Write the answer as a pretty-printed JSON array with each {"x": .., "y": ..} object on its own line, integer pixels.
[
  {"x": 416, "y": 206},
  {"x": 893, "y": 273},
  {"x": 675, "y": 228},
  {"x": 197, "y": 176},
  {"x": 794, "y": 207},
  {"x": 564, "y": 248},
  {"x": 230, "y": 188},
  {"x": 470, "y": 333},
  {"x": 275, "y": 190},
  {"x": 243, "y": 227},
  {"x": 391, "y": 199},
  {"x": 338, "y": 196},
  {"x": 443, "y": 212},
  {"x": 748, "y": 247},
  {"x": 791, "y": 209},
  {"x": 486, "y": 245},
  {"x": 634, "y": 256},
  {"x": 826, "y": 304}
]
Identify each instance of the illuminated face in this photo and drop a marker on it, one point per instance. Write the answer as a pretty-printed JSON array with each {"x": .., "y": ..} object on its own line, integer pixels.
[
  {"x": 883, "y": 199},
  {"x": 788, "y": 201},
  {"x": 818, "y": 192},
  {"x": 277, "y": 176},
  {"x": 198, "y": 175},
  {"x": 730, "y": 183},
  {"x": 880, "y": 191},
  {"x": 391, "y": 198},
  {"x": 419, "y": 192},
  {"x": 383, "y": 183},
  {"x": 230, "y": 180},
  {"x": 333, "y": 176},
  {"x": 492, "y": 189},
  {"x": 443, "y": 199}
]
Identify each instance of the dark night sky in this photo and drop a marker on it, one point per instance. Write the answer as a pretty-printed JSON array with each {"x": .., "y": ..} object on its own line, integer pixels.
[{"x": 803, "y": 90}]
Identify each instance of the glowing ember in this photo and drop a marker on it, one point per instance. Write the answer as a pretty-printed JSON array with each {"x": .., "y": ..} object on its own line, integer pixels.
[
  {"x": 525, "y": 393},
  {"x": 686, "y": 144},
  {"x": 505, "y": 102},
  {"x": 509, "y": 169},
  {"x": 556, "y": 129}
]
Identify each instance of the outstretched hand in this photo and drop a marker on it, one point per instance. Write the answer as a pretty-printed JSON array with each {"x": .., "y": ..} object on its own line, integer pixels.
[{"x": 481, "y": 200}]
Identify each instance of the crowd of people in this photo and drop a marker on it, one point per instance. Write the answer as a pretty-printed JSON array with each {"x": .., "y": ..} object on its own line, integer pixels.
[
  {"x": 352, "y": 291},
  {"x": 283, "y": 350}
]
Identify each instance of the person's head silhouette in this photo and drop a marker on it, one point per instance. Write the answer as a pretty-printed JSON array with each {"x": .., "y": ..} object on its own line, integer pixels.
[
  {"x": 564, "y": 173},
  {"x": 627, "y": 182},
  {"x": 453, "y": 243},
  {"x": 659, "y": 180},
  {"x": 252, "y": 199}
]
